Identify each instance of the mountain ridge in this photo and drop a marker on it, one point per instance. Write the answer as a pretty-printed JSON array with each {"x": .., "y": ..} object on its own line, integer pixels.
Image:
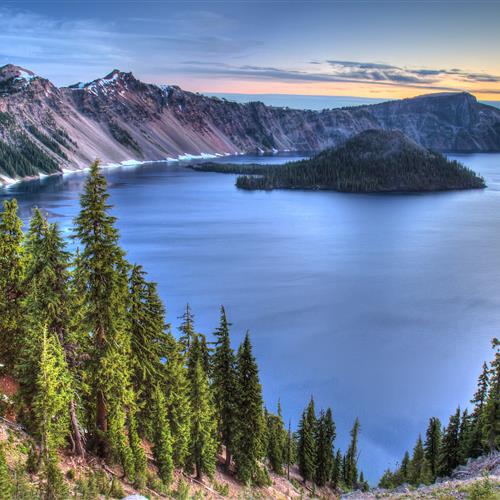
[{"x": 119, "y": 118}]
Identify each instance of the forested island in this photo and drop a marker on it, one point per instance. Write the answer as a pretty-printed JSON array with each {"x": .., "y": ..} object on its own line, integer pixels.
[
  {"x": 99, "y": 398},
  {"x": 370, "y": 162}
]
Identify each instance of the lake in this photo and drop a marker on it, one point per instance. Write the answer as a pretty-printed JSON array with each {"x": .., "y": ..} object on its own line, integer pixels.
[{"x": 381, "y": 306}]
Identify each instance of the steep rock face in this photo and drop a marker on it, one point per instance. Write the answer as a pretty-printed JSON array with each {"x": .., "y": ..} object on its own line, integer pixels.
[{"x": 118, "y": 117}]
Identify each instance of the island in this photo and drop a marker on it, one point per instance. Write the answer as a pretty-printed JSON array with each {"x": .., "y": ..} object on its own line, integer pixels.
[{"x": 370, "y": 162}]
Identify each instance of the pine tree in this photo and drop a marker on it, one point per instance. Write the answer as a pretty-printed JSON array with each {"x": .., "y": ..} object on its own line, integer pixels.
[
  {"x": 6, "y": 483},
  {"x": 476, "y": 447},
  {"x": 277, "y": 441},
  {"x": 433, "y": 445},
  {"x": 148, "y": 341},
  {"x": 136, "y": 451},
  {"x": 224, "y": 384},
  {"x": 464, "y": 437},
  {"x": 491, "y": 417},
  {"x": 307, "y": 443},
  {"x": 351, "y": 466},
  {"x": 419, "y": 469},
  {"x": 11, "y": 284},
  {"x": 162, "y": 439},
  {"x": 403, "y": 473},
  {"x": 249, "y": 445},
  {"x": 324, "y": 458},
  {"x": 449, "y": 455},
  {"x": 289, "y": 450},
  {"x": 337, "y": 473},
  {"x": 48, "y": 301},
  {"x": 177, "y": 400},
  {"x": 186, "y": 329},
  {"x": 104, "y": 271},
  {"x": 203, "y": 442},
  {"x": 50, "y": 407},
  {"x": 363, "y": 484}
]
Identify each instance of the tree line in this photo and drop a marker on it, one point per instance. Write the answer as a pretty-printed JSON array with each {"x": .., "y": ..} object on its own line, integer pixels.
[
  {"x": 467, "y": 435},
  {"x": 100, "y": 372}
]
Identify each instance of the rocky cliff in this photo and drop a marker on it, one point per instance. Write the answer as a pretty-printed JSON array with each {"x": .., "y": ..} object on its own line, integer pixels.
[{"x": 45, "y": 129}]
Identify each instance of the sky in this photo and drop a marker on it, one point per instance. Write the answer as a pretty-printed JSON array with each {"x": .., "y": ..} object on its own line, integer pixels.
[{"x": 367, "y": 49}]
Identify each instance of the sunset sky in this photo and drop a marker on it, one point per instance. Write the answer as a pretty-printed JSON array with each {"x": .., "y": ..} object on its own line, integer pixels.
[{"x": 378, "y": 49}]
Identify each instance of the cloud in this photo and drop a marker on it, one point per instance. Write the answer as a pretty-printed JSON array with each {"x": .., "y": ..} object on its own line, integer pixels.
[
  {"x": 263, "y": 73},
  {"x": 87, "y": 48},
  {"x": 379, "y": 72}
]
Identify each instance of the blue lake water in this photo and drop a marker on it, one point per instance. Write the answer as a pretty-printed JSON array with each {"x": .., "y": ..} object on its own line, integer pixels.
[{"x": 381, "y": 306}]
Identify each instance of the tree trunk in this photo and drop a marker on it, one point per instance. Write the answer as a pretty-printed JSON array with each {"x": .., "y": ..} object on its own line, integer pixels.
[
  {"x": 228, "y": 458},
  {"x": 199, "y": 474},
  {"x": 102, "y": 425},
  {"x": 75, "y": 429}
]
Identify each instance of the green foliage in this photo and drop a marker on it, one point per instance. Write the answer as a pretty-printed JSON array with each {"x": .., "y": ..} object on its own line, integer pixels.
[
  {"x": 433, "y": 446},
  {"x": 50, "y": 409},
  {"x": 162, "y": 439},
  {"x": 351, "y": 459},
  {"x": 277, "y": 441},
  {"x": 476, "y": 446},
  {"x": 491, "y": 417},
  {"x": 182, "y": 491},
  {"x": 11, "y": 284},
  {"x": 203, "y": 443},
  {"x": 337, "y": 472},
  {"x": 249, "y": 444},
  {"x": 482, "y": 490},
  {"x": 177, "y": 400},
  {"x": 148, "y": 341},
  {"x": 186, "y": 329},
  {"x": 307, "y": 443},
  {"x": 103, "y": 270},
  {"x": 324, "y": 448},
  {"x": 6, "y": 483},
  {"x": 450, "y": 451},
  {"x": 419, "y": 471},
  {"x": 6, "y": 119},
  {"x": 224, "y": 384}
]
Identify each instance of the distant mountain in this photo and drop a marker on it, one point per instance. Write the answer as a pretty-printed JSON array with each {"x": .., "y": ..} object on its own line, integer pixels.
[
  {"x": 45, "y": 129},
  {"x": 371, "y": 161}
]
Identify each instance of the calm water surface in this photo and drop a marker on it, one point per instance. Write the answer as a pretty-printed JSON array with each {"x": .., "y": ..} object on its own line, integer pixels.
[{"x": 382, "y": 307}]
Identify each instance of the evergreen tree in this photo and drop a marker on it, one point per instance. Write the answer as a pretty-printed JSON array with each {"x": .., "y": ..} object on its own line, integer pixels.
[
  {"x": 419, "y": 470},
  {"x": 307, "y": 443},
  {"x": 50, "y": 407},
  {"x": 289, "y": 450},
  {"x": 324, "y": 458},
  {"x": 162, "y": 440},
  {"x": 277, "y": 441},
  {"x": 404, "y": 470},
  {"x": 6, "y": 483},
  {"x": 337, "y": 473},
  {"x": 363, "y": 484},
  {"x": 137, "y": 451},
  {"x": 224, "y": 384},
  {"x": 186, "y": 329},
  {"x": 148, "y": 341},
  {"x": 491, "y": 417},
  {"x": 387, "y": 481},
  {"x": 177, "y": 400},
  {"x": 203, "y": 442},
  {"x": 433, "y": 445},
  {"x": 249, "y": 445},
  {"x": 476, "y": 447},
  {"x": 103, "y": 270},
  {"x": 351, "y": 466},
  {"x": 464, "y": 437},
  {"x": 11, "y": 284},
  {"x": 449, "y": 455},
  {"x": 48, "y": 301}
]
